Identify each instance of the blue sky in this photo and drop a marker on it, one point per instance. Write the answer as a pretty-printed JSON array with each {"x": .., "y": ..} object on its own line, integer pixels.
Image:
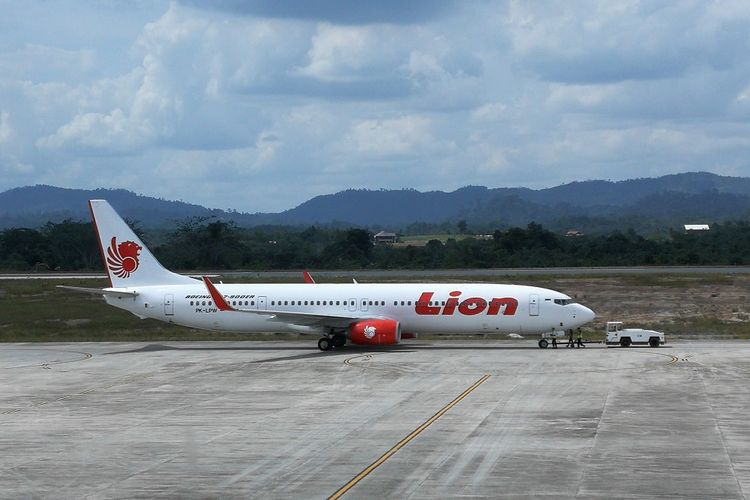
[{"x": 258, "y": 105}]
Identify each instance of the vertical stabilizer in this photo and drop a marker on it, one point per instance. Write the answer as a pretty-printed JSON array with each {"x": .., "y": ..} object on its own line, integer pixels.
[{"x": 126, "y": 259}]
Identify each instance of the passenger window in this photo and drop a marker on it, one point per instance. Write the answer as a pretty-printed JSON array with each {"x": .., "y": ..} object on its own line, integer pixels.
[
  {"x": 191, "y": 302},
  {"x": 252, "y": 302},
  {"x": 409, "y": 302},
  {"x": 337, "y": 302},
  {"x": 204, "y": 302}
]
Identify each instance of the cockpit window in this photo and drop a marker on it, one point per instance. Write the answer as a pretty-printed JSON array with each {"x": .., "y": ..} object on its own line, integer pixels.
[{"x": 563, "y": 302}]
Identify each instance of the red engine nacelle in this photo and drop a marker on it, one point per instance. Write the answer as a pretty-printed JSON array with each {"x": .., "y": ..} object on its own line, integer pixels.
[{"x": 375, "y": 332}]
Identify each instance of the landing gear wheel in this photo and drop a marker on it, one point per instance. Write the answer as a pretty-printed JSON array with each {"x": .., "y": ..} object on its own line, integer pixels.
[
  {"x": 325, "y": 344},
  {"x": 339, "y": 340},
  {"x": 653, "y": 341},
  {"x": 625, "y": 342},
  {"x": 543, "y": 344}
]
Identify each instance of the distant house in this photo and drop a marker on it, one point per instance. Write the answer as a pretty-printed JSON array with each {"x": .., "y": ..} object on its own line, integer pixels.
[
  {"x": 573, "y": 233},
  {"x": 385, "y": 238},
  {"x": 697, "y": 227}
]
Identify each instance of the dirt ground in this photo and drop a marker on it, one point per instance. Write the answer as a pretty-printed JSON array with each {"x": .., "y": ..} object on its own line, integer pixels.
[{"x": 709, "y": 304}]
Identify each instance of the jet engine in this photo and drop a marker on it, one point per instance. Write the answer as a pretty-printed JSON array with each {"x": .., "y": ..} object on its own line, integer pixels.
[{"x": 375, "y": 332}]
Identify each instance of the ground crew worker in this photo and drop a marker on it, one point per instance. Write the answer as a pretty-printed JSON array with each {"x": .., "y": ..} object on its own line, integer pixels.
[
  {"x": 570, "y": 338},
  {"x": 579, "y": 338},
  {"x": 554, "y": 341}
]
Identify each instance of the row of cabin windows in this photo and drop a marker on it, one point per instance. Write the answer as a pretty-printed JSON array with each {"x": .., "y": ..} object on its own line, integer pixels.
[{"x": 324, "y": 302}]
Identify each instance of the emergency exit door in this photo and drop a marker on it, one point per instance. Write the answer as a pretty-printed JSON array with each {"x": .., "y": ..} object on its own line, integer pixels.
[
  {"x": 533, "y": 305},
  {"x": 169, "y": 304}
]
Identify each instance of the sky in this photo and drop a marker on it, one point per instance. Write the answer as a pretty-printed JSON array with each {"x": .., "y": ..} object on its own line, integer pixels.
[{"x": 258, "y": 106}]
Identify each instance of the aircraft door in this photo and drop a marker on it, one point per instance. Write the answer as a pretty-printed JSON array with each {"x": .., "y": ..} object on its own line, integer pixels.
[
  {"x": 533, "y": 304},
  {"x": 262, "y": 302},
  {"x": 169, "y": 304},
  {"x": 353, "y": 305}
]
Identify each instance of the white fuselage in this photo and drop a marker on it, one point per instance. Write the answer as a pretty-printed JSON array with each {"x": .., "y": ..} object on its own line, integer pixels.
[{"x": 418, "y": 307}]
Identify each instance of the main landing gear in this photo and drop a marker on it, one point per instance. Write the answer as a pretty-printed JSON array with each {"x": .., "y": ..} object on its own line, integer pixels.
[{"x": 331, "y": 341}]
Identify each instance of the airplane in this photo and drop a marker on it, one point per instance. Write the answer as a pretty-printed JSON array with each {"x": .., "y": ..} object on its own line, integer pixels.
[{"x": 358, "y": 313}]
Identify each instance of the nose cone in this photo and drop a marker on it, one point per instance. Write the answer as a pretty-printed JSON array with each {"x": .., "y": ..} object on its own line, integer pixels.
[{"x": 585, "y": 314}]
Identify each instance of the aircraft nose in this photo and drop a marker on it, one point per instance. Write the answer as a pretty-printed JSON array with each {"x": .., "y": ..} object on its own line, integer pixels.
[{"x": 586, "y": 314}]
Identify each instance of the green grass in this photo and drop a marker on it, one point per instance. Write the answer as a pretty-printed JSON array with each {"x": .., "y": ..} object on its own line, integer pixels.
[{"x": 704, "y": 326}]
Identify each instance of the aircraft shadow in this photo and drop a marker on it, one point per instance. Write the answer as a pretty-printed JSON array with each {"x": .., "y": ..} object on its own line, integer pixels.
[{"x": 349, "y": 349}]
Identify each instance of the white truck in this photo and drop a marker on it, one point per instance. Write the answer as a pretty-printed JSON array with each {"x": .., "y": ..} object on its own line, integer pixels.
[{"x": 625, "y": 337}]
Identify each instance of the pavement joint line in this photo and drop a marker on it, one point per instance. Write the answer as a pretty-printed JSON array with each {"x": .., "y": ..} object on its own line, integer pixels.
[
  {"x": 121, "y": 381},
  {"x": 416, "y": 432}
]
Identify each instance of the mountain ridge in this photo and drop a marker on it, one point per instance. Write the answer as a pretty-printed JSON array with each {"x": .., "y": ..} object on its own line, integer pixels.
[{"x": 688, "y": 195}]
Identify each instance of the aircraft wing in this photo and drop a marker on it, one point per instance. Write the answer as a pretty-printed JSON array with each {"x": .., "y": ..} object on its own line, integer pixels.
[
  {"x": 115, "y": 292},
  {"x": 296, "y": 318}
]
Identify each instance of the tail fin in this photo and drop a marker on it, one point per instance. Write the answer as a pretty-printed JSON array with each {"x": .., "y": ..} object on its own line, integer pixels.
[{"x": 127, "y": 260}]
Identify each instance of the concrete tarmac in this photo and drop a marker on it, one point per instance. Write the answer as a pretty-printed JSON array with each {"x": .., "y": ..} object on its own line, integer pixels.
[{"x": 421, "y": 420}]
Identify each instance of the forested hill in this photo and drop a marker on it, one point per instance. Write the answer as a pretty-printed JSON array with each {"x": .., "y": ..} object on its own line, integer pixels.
[
  {"x": 33, "y": 206},
  {"x": 586, "y": 205}
]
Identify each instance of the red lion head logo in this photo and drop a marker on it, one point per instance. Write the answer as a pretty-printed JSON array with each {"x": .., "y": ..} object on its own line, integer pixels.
[{"x": 122, "y": 259}]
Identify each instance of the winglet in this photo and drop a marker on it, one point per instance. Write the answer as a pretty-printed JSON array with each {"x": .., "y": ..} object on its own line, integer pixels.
[
  {"x": 308, "y": 278},
  {"x": 216, "y": 296}
]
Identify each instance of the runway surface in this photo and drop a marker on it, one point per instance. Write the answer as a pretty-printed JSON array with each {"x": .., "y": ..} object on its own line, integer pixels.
[{"x": 281, "y": 420}]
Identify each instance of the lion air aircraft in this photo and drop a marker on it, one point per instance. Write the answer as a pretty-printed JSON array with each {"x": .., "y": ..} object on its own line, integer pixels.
[{"x": 362, "y": 314}]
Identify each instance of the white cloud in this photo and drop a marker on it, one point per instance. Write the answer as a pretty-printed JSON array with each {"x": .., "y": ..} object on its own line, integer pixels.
[
  {"x": 348, "y": 53},
  {"x": 51, "y": 62},
  {"x": 390, "y": 137},
  {"x": 489, "y": 112},
  {"x": 5, "y": 130},
  {"x": 495, "y": 93}
]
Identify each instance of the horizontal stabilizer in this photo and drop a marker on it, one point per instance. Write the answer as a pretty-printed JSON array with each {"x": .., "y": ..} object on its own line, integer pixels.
[{"x": 101, "y": 291}]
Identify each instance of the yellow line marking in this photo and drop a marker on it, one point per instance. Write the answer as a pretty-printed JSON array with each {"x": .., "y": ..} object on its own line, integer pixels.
[{"x": 416, "y": 432}]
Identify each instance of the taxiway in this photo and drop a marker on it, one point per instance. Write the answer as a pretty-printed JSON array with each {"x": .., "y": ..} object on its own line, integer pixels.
[{"x": 422, "y": 420}]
